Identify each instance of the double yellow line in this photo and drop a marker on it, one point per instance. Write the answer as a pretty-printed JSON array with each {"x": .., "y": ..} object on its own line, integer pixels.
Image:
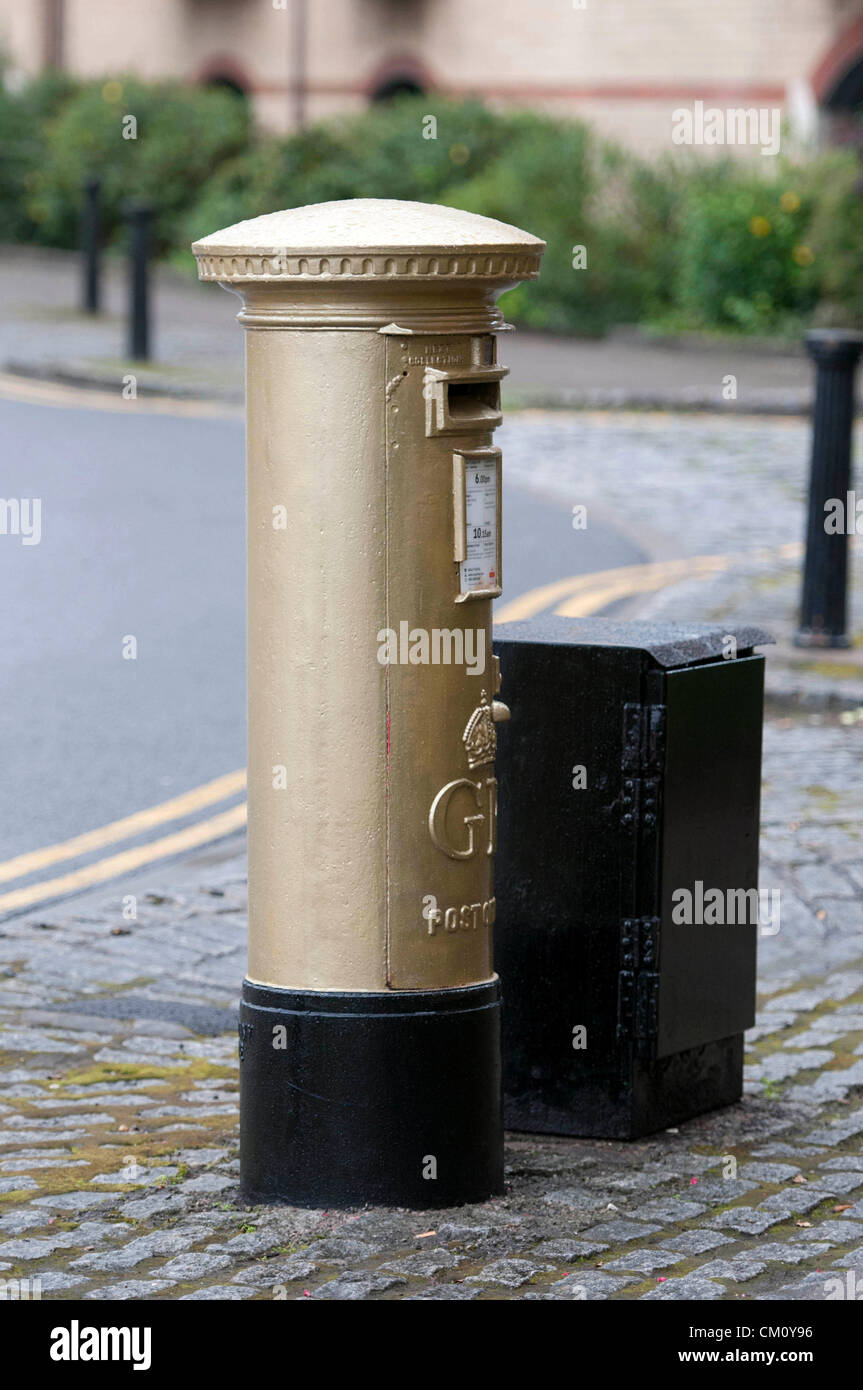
[
  {"x": 584, "y": 594},
  {"x": 201, "y": 833}
]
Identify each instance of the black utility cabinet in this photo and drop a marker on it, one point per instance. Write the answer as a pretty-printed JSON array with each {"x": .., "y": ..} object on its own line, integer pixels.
[{"x": 668, "y": 730}]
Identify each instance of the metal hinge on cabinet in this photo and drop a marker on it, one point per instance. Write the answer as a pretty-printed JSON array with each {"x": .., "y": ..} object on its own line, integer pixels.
[
  {"x": 638, "y": 983},
  {"x": 641, "y": 764}
]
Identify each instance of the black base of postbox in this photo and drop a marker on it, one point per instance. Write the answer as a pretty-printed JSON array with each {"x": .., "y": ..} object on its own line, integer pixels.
[
  {"x": 630, "y": 768},
  {"x": 387, "y": 1099}
]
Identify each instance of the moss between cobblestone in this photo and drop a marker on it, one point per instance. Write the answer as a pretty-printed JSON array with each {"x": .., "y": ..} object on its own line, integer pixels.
[
  {"x": 109, "y": 987},
  {"x": 845, "y": 1057},
  {"x": 21, "y": 1194},
  {"x": 198, "y": 1069},
  {"x": 142, "y": 1142},
  {"x": 57, "y": 1186},
  {"x": 803, "y": 1023}
]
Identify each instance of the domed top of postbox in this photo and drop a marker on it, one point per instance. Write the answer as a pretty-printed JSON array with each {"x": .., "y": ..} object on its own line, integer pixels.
[{"x": 369, "y": 239}]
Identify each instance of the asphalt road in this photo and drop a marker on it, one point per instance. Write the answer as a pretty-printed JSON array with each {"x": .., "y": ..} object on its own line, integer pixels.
[{"x": 143, "y": 536}]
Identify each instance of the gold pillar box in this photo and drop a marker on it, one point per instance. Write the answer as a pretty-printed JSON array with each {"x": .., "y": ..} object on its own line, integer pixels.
[{"x": 374, "y": 542}]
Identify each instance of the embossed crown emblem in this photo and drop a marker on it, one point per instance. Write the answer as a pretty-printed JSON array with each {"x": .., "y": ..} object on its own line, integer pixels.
[{"x": 480, "y": 735}]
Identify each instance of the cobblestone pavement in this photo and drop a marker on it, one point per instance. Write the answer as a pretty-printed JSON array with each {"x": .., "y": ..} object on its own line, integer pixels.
[{"x": 118, "y": 1110}]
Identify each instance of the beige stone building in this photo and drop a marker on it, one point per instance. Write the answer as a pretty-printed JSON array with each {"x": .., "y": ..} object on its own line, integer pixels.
[{"x": 626, "y": 65}]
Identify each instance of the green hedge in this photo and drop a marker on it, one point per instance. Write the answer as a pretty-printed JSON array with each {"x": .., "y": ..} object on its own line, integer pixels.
[
  {"x": 743, "y": 256},
  {"x": 601, "y": 212},
  {"x": 24, "y": 148},
  {"x": 749, "y": 246},
  {"x": 833, "y": 185},
  {"x": 768, "y": 252},
  {"x": 182, "y": 134},
  {"x": 381, "y": 153}
]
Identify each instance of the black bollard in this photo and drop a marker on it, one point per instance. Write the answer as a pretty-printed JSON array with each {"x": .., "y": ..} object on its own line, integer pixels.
[
  {"x": 90, "y": 245},
  {"x": 139, "y": 217},
  {"x": 823, "y": 606}
]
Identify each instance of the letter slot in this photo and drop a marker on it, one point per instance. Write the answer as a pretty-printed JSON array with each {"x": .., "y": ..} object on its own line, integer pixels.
[{"x": 462, "y": 402}]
